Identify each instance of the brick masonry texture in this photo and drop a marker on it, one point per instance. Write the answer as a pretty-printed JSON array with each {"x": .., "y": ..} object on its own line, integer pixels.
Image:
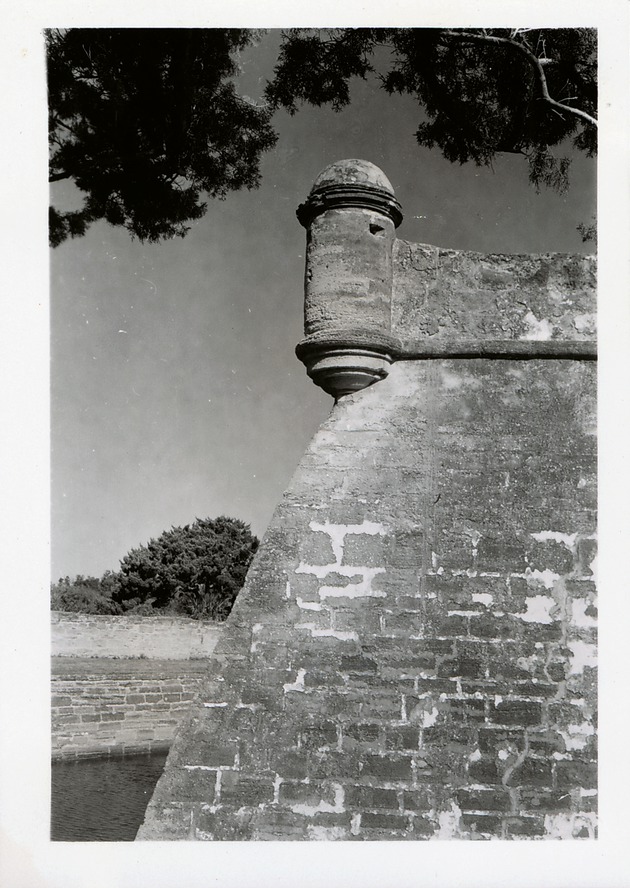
[
  {"x": 413, "y": 654},
  {"x": 123, "y": 684},
  {"x": 112, "y": 707},
  {"x": 433, "y": 675}
]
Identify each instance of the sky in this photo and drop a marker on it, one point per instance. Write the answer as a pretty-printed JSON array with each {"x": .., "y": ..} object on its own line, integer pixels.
[{"x": 175, "y": 390}]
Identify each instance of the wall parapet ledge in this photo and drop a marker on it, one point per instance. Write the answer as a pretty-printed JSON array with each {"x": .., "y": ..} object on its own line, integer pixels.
[
  {"x": 371, "y": 300},
  {"x": 392, "y": 348}
]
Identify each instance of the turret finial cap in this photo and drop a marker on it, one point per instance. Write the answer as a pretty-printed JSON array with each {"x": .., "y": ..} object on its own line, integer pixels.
[{"x": 350, "y": 183}]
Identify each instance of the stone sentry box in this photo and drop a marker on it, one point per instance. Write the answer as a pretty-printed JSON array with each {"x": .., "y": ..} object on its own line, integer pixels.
[
  {"x": 413, "y": 653},
  {"x": 350, "y": 218}
]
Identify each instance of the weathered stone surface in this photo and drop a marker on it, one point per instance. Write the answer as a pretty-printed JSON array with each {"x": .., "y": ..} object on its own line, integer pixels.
[
  {"x": 456, "y": 296},
  {"x": 106, "y": 706},
  {"x": 158, "y": 638},
  {"x": 415, "y": 641}
]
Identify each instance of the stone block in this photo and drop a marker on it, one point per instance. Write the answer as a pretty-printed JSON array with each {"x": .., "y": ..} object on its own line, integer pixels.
[
  {"x": 575, "y": 774},
  {"x": 544, "y": 800},
  {"x": 316, "y": 549},
  {"x": 515, "y": 712},
  {"x": 388, "y": 822},
  {"x": 240, "y": 790},
  {"x": 387, "y": 768},
  {"x": 484, "y": 771},
  {"x": 482, "y": 825},
  {"x": 532, "y": 772},
  {"x": 525, "y": 827},
  {"x": 370, "y": 797},
  {"x": 483, "y": 800}
]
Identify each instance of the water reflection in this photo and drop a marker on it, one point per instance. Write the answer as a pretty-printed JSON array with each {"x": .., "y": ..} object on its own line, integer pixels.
[{"x": 102, "y": 799}]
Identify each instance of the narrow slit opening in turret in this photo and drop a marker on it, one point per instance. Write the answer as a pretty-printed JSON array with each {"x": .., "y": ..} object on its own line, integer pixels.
[{"x": 377, "y": 230}]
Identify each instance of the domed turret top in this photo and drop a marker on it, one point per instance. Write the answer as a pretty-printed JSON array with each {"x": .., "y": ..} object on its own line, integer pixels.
[
  {"x": 352, "y": 172},
  {"x": 350, "y": 184}
]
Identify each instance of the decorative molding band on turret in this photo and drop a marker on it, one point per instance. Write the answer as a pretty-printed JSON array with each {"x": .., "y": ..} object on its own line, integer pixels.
[
  {"x": 348, "y": 362},
  {"x": 350, "y": 215},
  {"x": 343, "y": 196}
]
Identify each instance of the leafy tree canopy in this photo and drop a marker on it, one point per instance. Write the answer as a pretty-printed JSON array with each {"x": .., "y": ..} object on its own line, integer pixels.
[
  {"x": 481, "y": 91},
  {"x": 146, "y": 121},
  {"x": 85, "y": 595},
  {"x": 195, "y": 570}
]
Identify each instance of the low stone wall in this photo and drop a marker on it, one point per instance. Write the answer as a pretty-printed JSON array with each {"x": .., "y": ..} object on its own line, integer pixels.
[
  {"x": 122, "y": 685},
  {"x": 163, "y": 638},
  {"x": 104, "y": 706}
]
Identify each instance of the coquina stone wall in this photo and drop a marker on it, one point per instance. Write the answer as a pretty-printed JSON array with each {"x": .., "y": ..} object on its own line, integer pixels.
[
  {"x": 413, "y": 654},
  {"x": 121, "y": 685},
  {"x": 118, "y": 706},
  {"x": 162, "y": 638}
]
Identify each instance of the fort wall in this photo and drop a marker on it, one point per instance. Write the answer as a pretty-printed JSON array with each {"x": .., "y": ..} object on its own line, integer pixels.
[
  {"x": 156, "y": 637},
  {"x": 121, "y": 685},
  {"x": 413, "y": 655}
]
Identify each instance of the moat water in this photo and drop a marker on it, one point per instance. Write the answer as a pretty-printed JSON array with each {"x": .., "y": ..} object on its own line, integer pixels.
[{"x": 102, "y": 799}]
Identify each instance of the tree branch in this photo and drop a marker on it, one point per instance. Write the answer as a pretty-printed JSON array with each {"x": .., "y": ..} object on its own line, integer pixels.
[
  {"x": 59, "y": 122},
  {"x": 57, "y": 177},
  {"x": 536, "y": 63}
]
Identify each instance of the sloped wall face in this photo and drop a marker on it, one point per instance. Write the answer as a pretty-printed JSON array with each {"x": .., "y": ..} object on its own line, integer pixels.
[{"x": 413, "y": 654}]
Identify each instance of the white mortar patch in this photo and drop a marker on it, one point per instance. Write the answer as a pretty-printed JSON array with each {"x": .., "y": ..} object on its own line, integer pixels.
[
  {"x": 326, "y": 833},
  {"x": 583, "y": 655},
  {"x": 328, "y": 633},
  {"x": 576, "y": 736},
  {"x": 565, "y": 826},
  {"x": 298, "y": 684},
  {"x": 538, "y": 609},
  {"x": 278, "y": 781},
  {"x": 423, "y": 717},
  {"x": 547, "y": 577},
  {"x": 356, "y": 590},
  {"x": 448, "y": 823},
  {"x": 567, "y": 539},
  {"x": 482, "y": 598},
  {"x": 308, "y": 605},
  {"x": 536, "y": 329},
  {"x": 337, "y": 533},
  {"x": 579, "y": 617}
]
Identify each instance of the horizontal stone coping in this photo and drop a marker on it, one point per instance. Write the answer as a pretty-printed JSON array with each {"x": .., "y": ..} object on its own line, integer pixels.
[
  {"x": 109, "y": 667},
  {"x": 122, "y": 619},
  {"x": 398, "y": 349},
  {"x": 492, "y": 348}
]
